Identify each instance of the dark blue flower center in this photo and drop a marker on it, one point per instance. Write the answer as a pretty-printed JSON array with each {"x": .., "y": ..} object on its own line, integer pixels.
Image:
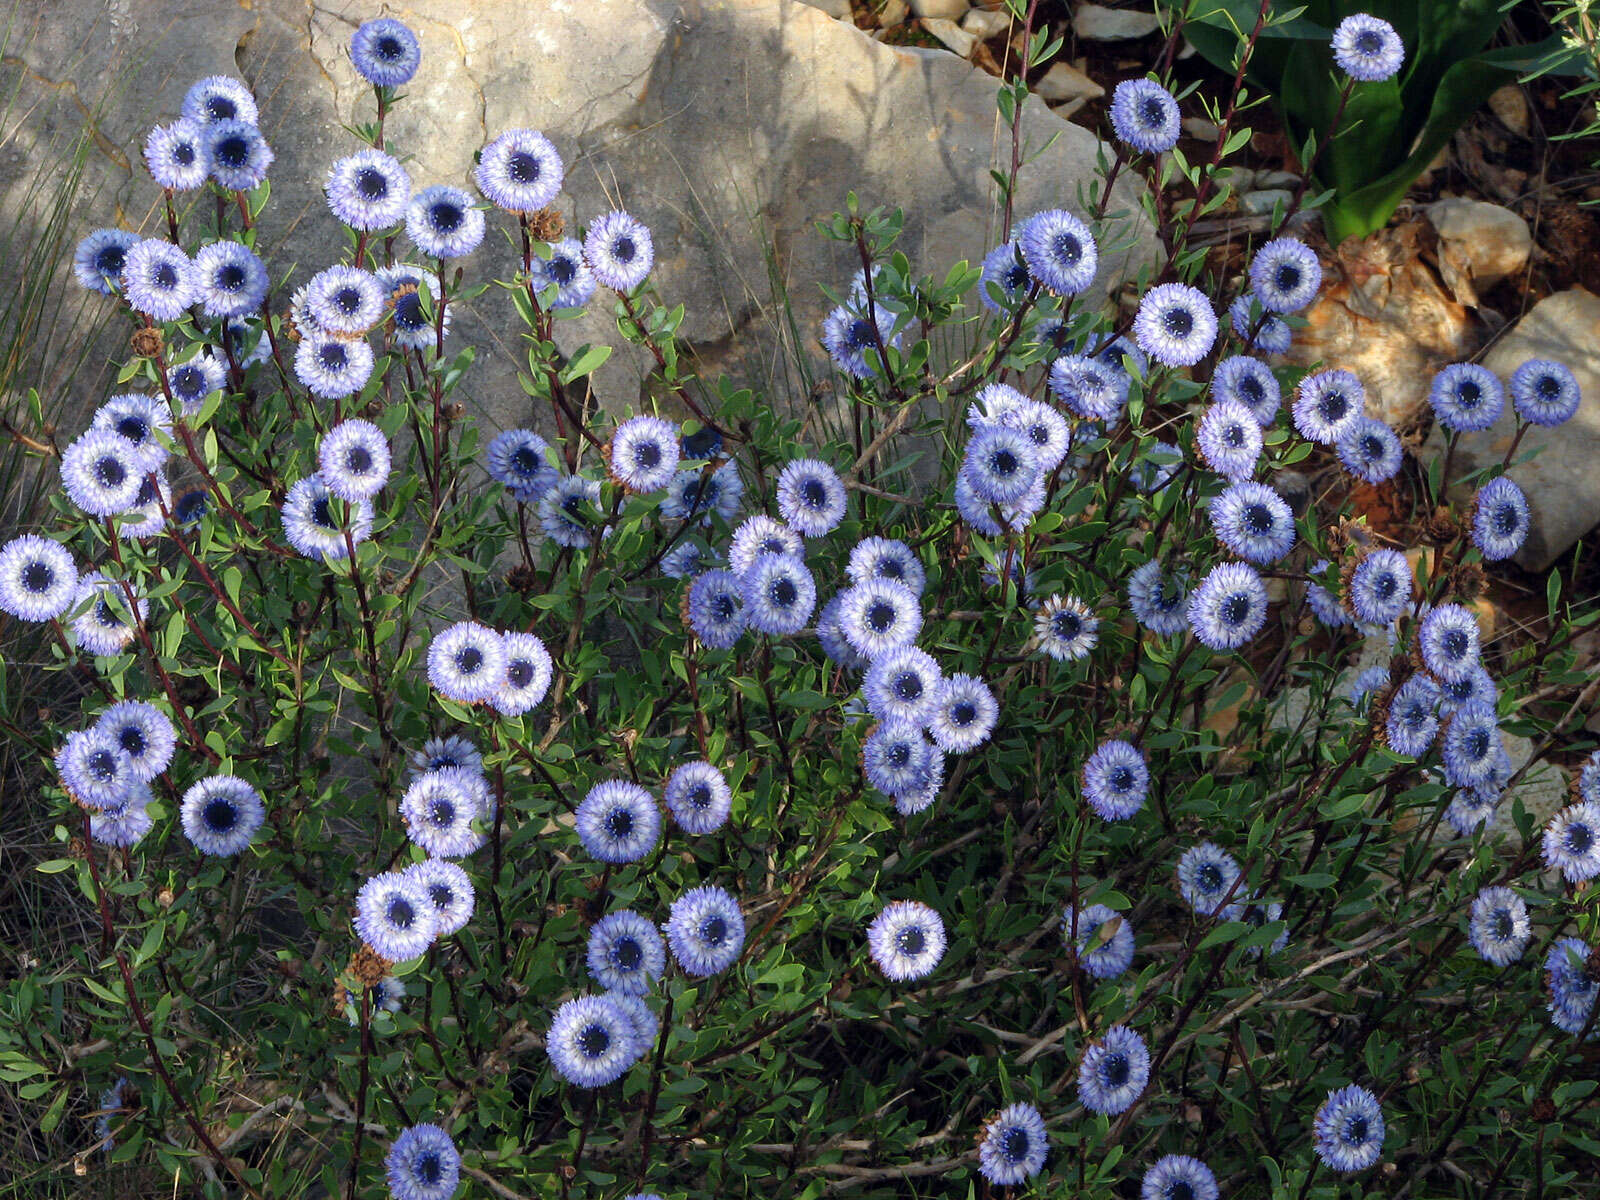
[
  {"x": 401, "y": 912},
  {"x": 784, "y": 593},
  {"x": 1258, "y": 519},
  {"x": 881, "y": 616},
  {"x": 102, "y": 765},
  {"x": 963, "y": 713},
  {"x": 714, "y": 930},
  {"x": 594, "y": 1041},
  {"x": 1066, "y": 248},
  {"x": 911, "y": 940},
  {"x": 908, "y": 687},
  {"x": 627, "y": 954},
  {"x": 446, "y": 216},
  {"x": 428, "y": 1167},
  {"x": 1236, "y": 608},
  {"x": 232, "y": 151},
  {"x": 183, "y": 153},
  {"x": 371, "y": 183},
  {"x": 1178, "y": 321},
  {"x": 389, "y": 49},
  {"x": 109, "y": 470},
  {"x": 358, "y": 460},
  {"x": 1209, "y": 877},
  {"x": 220, "y": 108},
  {"x": 624, "y": 249},
  {"x": 230, "y": 277},
  {"x": 443, "y": 813},
  {"x": 699, "y": 796},
  {"x": 332, "y": 356},
  {"x": 1355, "y": 1130},
  {"x": 1580, "y": 838},
  {"x": 520, "y": 673},
  {"x": 1114, "y": 1069},
  {"x": 132, "y": 740},
  {"x": 563, "y": 269},
  {"x": 469, "y": 660},
  {"x": 38, "y": 576},
  {"x": 321, "y": 514},
  {"x": 813, "y": 494},
  {"x": 348, "y": 300},
  {"x": 165, "y": 276},
  {"x": 220, "y": 815},
  {"x": 619, "y": 823},
  {"x": 522, "y": 167}
]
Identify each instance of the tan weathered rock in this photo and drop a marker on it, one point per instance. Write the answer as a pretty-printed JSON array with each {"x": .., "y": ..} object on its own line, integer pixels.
[
  {"x": 1063, "y": 82},
  {"x": 985, "y": 23},
  {"x": 947, "y": 10},
  {"x": 1511, "y": 106},
  {"x": 1479, "y": 244},
  {"x": 1097, "y": 23},
  {"x": 951, "y": 34}
]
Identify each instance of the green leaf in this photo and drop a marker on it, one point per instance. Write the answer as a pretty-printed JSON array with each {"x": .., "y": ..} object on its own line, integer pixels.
[{"x": 587, "y": 360}]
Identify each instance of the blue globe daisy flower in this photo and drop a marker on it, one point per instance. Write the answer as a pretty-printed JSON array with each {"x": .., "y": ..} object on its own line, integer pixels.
[
  {"x": 1045, "y": 428},
  {"x": 1175, "y": 324},
  {"x": 221, "y": 814},
  {"x": 1468, "y": 809},
  {"x": 1102, "y": 939},
  {"x": 313, "y": 529},
  {"x": 1254, "y": 522},
  {"x": 909, "y": 804},
  {"x": 345, "y": 300},
  {"x": 1413, "y": 719},
  {"x": 1471, "y": 745},
  {"x": 1066, "y": 628},
  {"x": 705, "y": 930},
  {"x": 410, "y": 325},
  {"x": 386, "y": 53},
  {"x": 848, "y": 338},
  {"x": 158, "y": 279},
  {"x": 145, "y": 519},
  {"x": 1179, "y": 1177},
  {"x": 1327, "y": 405},
  {"x": 1572, "y": 842},
  {"x": 1370, "y": 450},
  {"x": 1059, "y": 251},
  {"x": 643, "y": 454},
  {"x": 138, "y": 417},
  {"x": 885, "y": 558},
  {"x": 528, "y": 674},
  {"x": 693, "y": 493},
  {"x": 567, "y": 511},
  {"x": 99, "y": 259},
  {"x": 618, "y": 822},
  {"x": 897, "y": 759},
  {"x": 1089, "y": 387},
  {"x": 39, "y": 581},
  {"x": 353, "y": 460},
  {"x": 219, "y": 98},
  {"x": 423, "y": 1163},
  {"x": 126, "y": 825},
  {"x": 1145, "y": 116},
  {"x": 177, "y": 156},
  {"x": 963, "y": 714},
  {"x": 331, "y": 367},
  {"x": 1379, "y": 588},
  {"x": 779, "y": 594},
  {"x": 902, "y": 684},
  {"x": 714, "y": 609},
  {"x": 1543, "y": 391},
  {"x": 520, "y": 171},
  {"x": 1498, "y": 926},
  {"x": 1003, "y": 270},
  {"x": 1229, "y": 439},
  {"x": 1348, "y": 1129},
  {"x": 442, "y": 753},
  {"x": 1324, "y": 604},
  {"x": 368, "y": 190},
  {"x": 144, "y": 733},
  {"x": 192, "y": 381},
  {"x": 698, "y": 797},
  {"x": 1229, "y": 607},
  {"x": 685, "y": 560},
  {"x": 811, "y": 497},
  {"x": 516, "y": 459},
  {"x": 1014, "y": 1146},
  {"x": 1572, "y": 986},
  {"x": 467, "y": 662},
  {"x": 1116, "y": 780},
  {"x": 1000, "y": 465},
  {"x": 104, "y": 626},
  {"x": 395, "y": 916},
  {"x": 95, "y": 770},
  {"x": 228, "y": 279},
  {"x": 759, "y": 535},
  {"x": 449, "y": 888},
  {"x": 101, "y": 472},
  {"x": 1285, "y": 274},
  {"x": 1158, "y": 600},
  {"x": 1367, "y": 48},
  {"x": 906, "y": 940},
  {"x": 1260, "y": 915},
  {"x": 438, "y": 814},
  {"x": 567, "y": 272},
  {"x": 1114, "y": 1071},
  {"x": 619, "y": 250},
  {"x": 981, "y": 513},
  {"x": 1250, "y": 382},
  {"x": 1366, "y": 683},
  {"x": 1257, "y": 328},
  {"x": 1208, "y": 880},
  {"x": 240, "y": 156},
  {"x": 879, "y": 615},
  {"x": 592, "y": 1041},
  {"x": 1589, "y": 778},
  {"x": 832, "y": 639},
  {"x": 1500, "y": 519},
  {"x": 1448, "y": 642},
  {"x": 190, "y": 508},
  {"x": 442, "y": 222},
  {"x": 626, "y": 953},
  {"x": 644, "y": 1023},
  {"x": 1466, "y": 397}
]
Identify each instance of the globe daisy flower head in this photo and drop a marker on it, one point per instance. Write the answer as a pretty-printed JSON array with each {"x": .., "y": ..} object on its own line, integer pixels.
[
  {"x": 811, "y": 497},
  {"x": 643, "y": 454},
  {"x": 1367, "y": 48},
  {"x": 221, "y": 814},
  {"x": 101, "y": 472},
  {"x": 444, "y": 753},
  {"x": 1249, "y": 382},
  {"x": 95, "y": 770},
  {"x": 1589, "y": 778},
  {"x": 144, "y": 733},
  {"x": 1066, "y": 628},
  {"x": 520, "y": 171},
  {"x": 157, "y": 279},
  {"x": 897, "y": 759},
  {"x": 449, "y": 888},
  {"x": 332, "y": 367},
  {"x": 439, "y": 813},
  {"x": 345, "y": 301},
  {"x": 1471, "y": 745},
  {"x": 567, "y": 511},
  {"x": 963, "y": 714},
  {"x": 104, "y": 626},
  {"x": 592, "y": 1042},
  {"x": 885, "y": 558},
  {"x": 906, "y": 940},
  {"x": 1448, "y": 642},
  {"x": 1014, "y": 1146},
  {"x": 385, "y": 52},
  {"x": 38, "y": 579},
  {"x": 240, "y": 156},
  {"x": 1413, "y": 720},
  {"x": 1003, "y": 269},
  {"x": 1208, "y": 878},
  {"x": 849, "y": 339},
  {"x": 1498, "y": 926},
  {"x": 879, "y": 615},
  {"x": 467, "y": 662},
  {"x": 1572, "y": 842},
  {"x": 1543, "y": 391},
  {"x": 626, "y": 953},
  {"x": 1179, "y": 1177},
  {"x": 1285, "y": 274},
  {"x": 442, "y": 222},
  {"x": 1116, "y": 780},
  {"x": 1466, "y": 397},
  {"x": 1059, "y": 251},
  {"x": 902, "y": 684},
  {"x": 126, "y": 825},
  {"x": 423, "y": 1163},
  {"x": 698, "y": 797},
  {"x": 705, "y": 930},
  {"x": 693, "y": 494},
  {"x": 395, "y": 916},
  {"x": 1366, "y": 683},
  {"x": 353, "y": 460},
  {"x": 567, "y": 272},
  {"x": 1572, "y": 987},
  {"x": 1114, "y": 1071},
  {"x": 219, "y": 98},
  {"x": 1158, "y": 600},
  {"x": 1229, "y": 607},
  {"x": 528, "y": 674},
  {"x": 685, "y": 560},
  {"x": 831, "y": 637},
  {"x": 516, "y": 459},
  {"x": 191, "y": 382},
  {"x": 177, "y": 156},
  {"x": 1370, "y": 450},
  {"x": 1145, "y": 116},
  {"x": 1254, "y": 522},
  {"x": 1103, "y": 939},
  {"x": 1500, "y": 519},
  {"x": 779, "y": 594},
  {"x": 1175, "y": 324},
  {"x": 1045, "y": 428},
  {"x": 1348, "y": 1129},
  {"x": 1229, "y": 439},
  {"x": 618, "y": 822},
  {"x": 1257, "y": 328},
  {"x": 619, "y": 250},
  {"x": 1325, "y": 605},
  {"x": 313, "y": 529},
  {"x": 99, "y": 258},
  {"x": 909, "y": 804},
  {"x": 760, "y": 535},
  {"x": 411, "y": 327},
  {"x": 228, "y": 279},
  {"x": 1327, "y": 405},
  {"x": 1468, "y": 809},
  {"x": 368, "y": 190},
  {"x": 714, "y": 609},
  {"x": 1089, "y": 387},
  {"x": 1380, "y": 587},
  {"x": 644, "y": 1023}
]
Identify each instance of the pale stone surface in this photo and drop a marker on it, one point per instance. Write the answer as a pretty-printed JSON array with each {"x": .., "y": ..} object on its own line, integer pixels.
[
  {"x": 951, "y": 34},
  {"x": 1561, "y": 482},
  {"x": 1480, "y": 244},
  {"x": 729, "y": 126},
  {"x": 1097, "y": 23},
  {"x": 985, "y": 23},
  {"x": 1064, "y": 82},
  {"x": 1511, "y": 106},
  {"x": 947, "y": 10},
  {"x": 837, "y": 9}
]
